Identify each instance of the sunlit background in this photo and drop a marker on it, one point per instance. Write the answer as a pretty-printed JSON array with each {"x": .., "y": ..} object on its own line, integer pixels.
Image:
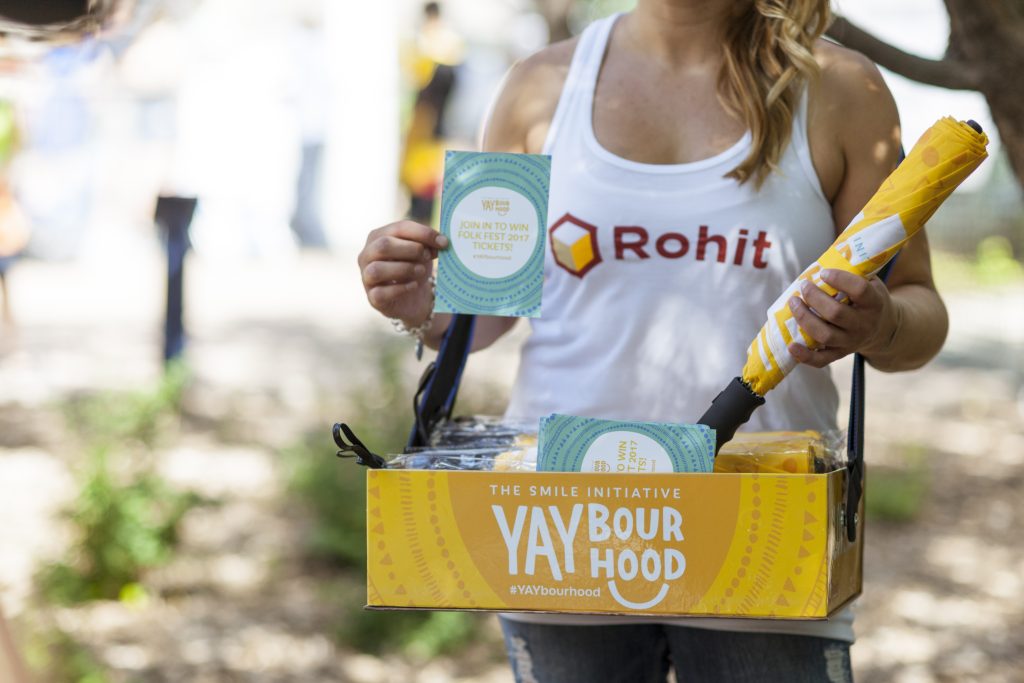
[{"x": 187, "y": 521}]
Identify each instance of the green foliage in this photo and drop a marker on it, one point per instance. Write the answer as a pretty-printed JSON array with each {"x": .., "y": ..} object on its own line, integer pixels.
[
  {"x": 419, "y": 634},
  {"x": 995, "y": 264},
  {"x": 125, "y": 517},
  {"x": 139, "y": 417},
  {"x": 53, "y": 656},
  {"x": 334, "y": 490},
  {"x": 124, "y": 528},
  {"x": 897, "y": 494}
]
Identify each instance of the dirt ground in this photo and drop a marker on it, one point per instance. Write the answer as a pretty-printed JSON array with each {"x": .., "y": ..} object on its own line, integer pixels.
[{"x": 273, "y": 347}]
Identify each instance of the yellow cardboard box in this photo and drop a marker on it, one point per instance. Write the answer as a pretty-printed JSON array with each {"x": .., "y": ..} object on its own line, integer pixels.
[{"x": 748, "y": 545}]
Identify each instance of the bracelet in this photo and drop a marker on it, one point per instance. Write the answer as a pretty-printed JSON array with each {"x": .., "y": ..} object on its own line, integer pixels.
[{"x": 419, "y": 330}]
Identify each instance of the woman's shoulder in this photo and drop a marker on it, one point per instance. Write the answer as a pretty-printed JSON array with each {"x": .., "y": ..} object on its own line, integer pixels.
[
  {"x": 852, "y": 116},
  {"x": 550, "y": 62},
  {"x": 852, "y": 94},
  {"x": 848, "y": 76},
  {"x": 528, "y": 98}
]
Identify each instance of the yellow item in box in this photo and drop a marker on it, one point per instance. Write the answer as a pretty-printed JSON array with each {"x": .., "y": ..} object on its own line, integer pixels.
[
  {"x": 772, "y": 452},
  {"x": 519, "y": 459},
  {"x": 522, "y": 457},
  {"x": 525, "y": 440}
]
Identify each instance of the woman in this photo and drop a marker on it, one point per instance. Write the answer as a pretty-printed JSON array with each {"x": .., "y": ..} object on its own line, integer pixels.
[{"x": 711, "y": 149}]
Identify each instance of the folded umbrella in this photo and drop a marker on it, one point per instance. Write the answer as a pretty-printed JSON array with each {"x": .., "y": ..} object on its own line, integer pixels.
[{"x": 941, "y": 159}]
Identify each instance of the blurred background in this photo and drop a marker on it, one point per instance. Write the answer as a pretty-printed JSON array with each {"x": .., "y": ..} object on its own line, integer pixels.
[{"x": 184, "y": 187}]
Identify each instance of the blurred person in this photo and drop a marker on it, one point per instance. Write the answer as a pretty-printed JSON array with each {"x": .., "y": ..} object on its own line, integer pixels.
[
  {"x": 58, "y": 181},
  {"x": 310, "y": 83},
  {"x": 736, "y": 144},
  {"x": 230, "y": 135},
  {"x": 14, "y": 232},
  {"x": 437, "y": 55}
]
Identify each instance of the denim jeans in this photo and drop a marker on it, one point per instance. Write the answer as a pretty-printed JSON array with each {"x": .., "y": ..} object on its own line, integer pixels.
[{"x": 644, "y": 653}]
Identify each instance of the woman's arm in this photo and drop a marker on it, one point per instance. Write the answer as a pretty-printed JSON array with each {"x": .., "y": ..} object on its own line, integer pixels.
[
  {"x": 855, "y": 132},
  {"x": 394, "y": 259}
]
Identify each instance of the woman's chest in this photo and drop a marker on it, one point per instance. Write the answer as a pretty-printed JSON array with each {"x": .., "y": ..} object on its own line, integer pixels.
[{"x": 648, "y": 115}]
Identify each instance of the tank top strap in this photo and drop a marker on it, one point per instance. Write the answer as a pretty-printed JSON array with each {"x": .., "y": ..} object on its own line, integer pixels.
[
  {"x": 801, "y": 146},
  {"x": 576, "y": 99}
]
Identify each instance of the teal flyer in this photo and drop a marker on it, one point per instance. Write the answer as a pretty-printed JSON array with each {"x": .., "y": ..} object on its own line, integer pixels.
[
  {"x": 494, "y": 211},
  {"x": 584, "y": 444}
]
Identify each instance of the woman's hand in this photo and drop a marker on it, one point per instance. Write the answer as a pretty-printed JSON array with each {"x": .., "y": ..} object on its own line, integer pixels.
[
  {"x": 866, "y": 325},
  {"x": 396, "y": 264}
]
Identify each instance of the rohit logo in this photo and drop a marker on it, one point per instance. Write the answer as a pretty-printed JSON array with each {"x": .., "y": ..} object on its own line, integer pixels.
[
  {"x": 576, "y": 249},
  {"x": 574, "y": 245}
]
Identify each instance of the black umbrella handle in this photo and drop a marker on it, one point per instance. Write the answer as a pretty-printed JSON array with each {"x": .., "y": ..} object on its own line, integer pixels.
[{"x": 730, "y": 410}]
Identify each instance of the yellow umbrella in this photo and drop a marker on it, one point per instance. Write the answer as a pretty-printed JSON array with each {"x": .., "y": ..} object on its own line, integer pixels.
[
  {"x": 941, "y": 159},
  {"x": 944, "y": 156}
]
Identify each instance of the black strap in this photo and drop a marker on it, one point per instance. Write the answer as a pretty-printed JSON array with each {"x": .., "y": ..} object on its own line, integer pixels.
[
  {"x": 855, "y": 435},
  {"x": 439, "y": 385},
  {"x": 855, "y": 428},
  {"x": 855, "y": 449},
  {"x": 354, "y": 448}
]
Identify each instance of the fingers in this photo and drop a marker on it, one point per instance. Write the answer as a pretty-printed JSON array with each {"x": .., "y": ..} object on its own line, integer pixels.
[
  {"x": 402, "y": 241},
  {"x": 816, "y": 358},
  {"x": 392, "y": 272},
  {"x": 839, "y": 314},
  {"x": 384, "y": 296},
  {"x": 417, "y": 232},
  {"x": 392, "y": 248},
  {"x": 837, "y": 328},
  {"x": 395, "y": 264},
  {"x": 818, "y": 329},
  {"x": 856, "y": 287}
]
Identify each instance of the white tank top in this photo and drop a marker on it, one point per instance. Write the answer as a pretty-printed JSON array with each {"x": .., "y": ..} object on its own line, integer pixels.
[{"x": 658, "y": 276}]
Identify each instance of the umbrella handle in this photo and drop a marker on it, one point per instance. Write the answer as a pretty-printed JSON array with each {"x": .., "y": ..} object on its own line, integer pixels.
[{"x": 730, "y": 410}]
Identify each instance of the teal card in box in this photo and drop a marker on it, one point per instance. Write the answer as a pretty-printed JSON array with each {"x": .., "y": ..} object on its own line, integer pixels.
[
  {"x": 494, "y": 210},
  {"x": 585, "y": 444}
]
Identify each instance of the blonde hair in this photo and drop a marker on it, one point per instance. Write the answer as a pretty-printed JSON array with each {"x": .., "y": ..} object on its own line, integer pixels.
[{"x": 768, "y": 61}]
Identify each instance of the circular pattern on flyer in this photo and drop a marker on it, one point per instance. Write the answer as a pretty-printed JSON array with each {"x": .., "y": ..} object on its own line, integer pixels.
[{"x": 498, "y": 247}]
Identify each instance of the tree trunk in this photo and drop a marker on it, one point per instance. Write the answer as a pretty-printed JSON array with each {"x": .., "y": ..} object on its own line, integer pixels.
[
  {"x": 986, "y": 53},
  {"x": 990, "y": 35}
]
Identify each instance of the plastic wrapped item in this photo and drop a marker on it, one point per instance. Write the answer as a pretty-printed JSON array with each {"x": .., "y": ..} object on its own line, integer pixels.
[
  {"x": 483, "y": 432},
  {"x": 445, "y": 459},
  {"x": 806, "y": 452},
  {"x": 502, "y": 459},
  {"x": 475, "y": 443},
  {"x": 489, "y": 444}
]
